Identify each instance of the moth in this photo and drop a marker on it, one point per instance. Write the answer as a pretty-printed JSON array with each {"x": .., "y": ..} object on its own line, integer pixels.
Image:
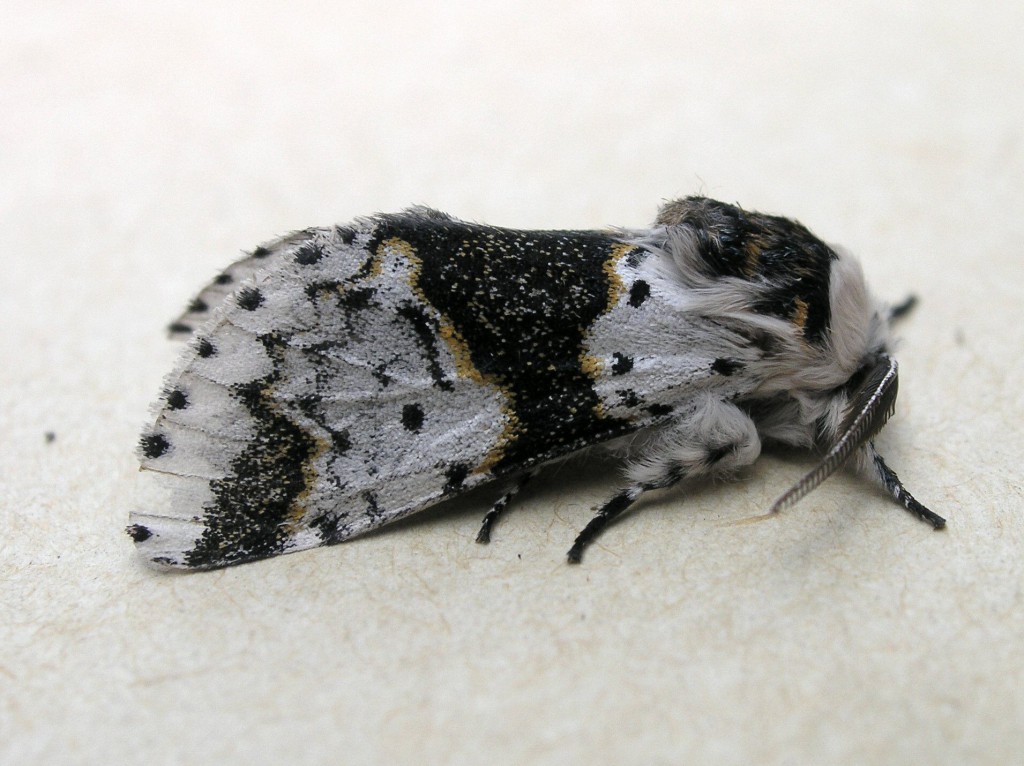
[{"x": 341, "y": 378}]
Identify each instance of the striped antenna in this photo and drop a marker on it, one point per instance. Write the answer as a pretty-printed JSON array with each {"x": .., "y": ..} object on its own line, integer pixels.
[{"x": 873, "y": 403}]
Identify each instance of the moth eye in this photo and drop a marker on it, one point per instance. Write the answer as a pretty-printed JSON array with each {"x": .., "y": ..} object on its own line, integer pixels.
[{"x": 855, "y": 380}]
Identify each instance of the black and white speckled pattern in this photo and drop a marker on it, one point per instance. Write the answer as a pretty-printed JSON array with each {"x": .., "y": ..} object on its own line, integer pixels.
[{"x": 342, "y": 378}]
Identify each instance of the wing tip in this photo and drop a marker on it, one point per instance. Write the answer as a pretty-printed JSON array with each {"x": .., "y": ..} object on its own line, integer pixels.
[{"x": 163, "y": 542}]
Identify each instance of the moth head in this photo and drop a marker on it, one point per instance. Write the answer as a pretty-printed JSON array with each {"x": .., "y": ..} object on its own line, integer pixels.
[{"x": 857, "y": 413}]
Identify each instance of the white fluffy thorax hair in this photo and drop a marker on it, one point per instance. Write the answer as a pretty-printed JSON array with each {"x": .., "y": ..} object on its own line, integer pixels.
[{"x": 801, "y": 304}]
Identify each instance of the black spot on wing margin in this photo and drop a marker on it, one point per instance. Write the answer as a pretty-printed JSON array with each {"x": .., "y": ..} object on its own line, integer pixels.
[
  {"x": 138, "y": 533},
  {"x": 154, "y": 445}
]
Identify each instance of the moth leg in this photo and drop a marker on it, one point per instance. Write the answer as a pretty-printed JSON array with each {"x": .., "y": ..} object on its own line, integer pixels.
[
  {"x": 484, "y": 535},
  {"x": 888, "y": 479},
  {"x": 903, "y": 308},
  {"x": 607, "y": 512},
  {"x": 716, "y": 437}
]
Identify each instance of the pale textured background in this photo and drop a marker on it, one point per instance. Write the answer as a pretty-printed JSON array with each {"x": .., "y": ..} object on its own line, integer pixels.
[{"x": 141, "y": 149}]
